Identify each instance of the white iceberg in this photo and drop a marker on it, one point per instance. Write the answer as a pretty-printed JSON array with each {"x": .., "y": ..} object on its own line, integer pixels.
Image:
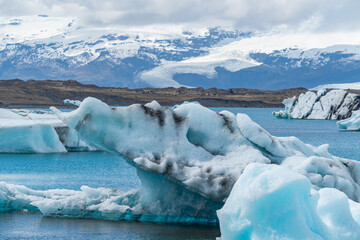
[
  {"x": 271, "y": 202},
  {"x": 21, "y": 134},
  {"x": 37, "y": 131},
  {"x": 335, "y": 104},
  {"x": 72, "y": 102}
]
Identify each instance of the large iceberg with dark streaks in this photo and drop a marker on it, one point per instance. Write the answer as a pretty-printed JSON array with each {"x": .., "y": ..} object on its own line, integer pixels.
[
  {"x": 188, "y": 159},
  {"x": 202, "y": 150}
]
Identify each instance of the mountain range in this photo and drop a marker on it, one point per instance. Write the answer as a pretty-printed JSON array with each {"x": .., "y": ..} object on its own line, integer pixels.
[{"x": 43, "y": 47}]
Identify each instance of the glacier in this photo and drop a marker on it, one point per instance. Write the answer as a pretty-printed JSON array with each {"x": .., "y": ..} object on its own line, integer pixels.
[
  {"x": 331, "y": 105},
  {"x": 271, "y": 202},
  {"x": 37, "y": 47}
]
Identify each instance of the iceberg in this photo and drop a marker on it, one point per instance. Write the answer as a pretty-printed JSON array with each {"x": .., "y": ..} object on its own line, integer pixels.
[
  {"x": 352, "y": 123},
  {"x": 203, "y": 150},
  {"x": 37, "y": 131},
  {"x": 22, "y": 134},
  {"x": 188, "y": 159},
  {"x": 271, "y": 202},
  {"x": 198, "y": 155},
  {"x": 73, "y": 102},
  {"x": 334, "y": 104}
]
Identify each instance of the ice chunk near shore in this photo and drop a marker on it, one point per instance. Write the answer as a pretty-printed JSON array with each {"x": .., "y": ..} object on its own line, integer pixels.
[
  {"x": 335, "y": 104},
  {"x": 289, "y": 104},
  {"x": 20, "y": 134},
  {"x": 73, "y": 102},
  {"x": 352, "y": 123},
  {"x": 201, "y": 150},
  {"x": 271, "y": 202}
]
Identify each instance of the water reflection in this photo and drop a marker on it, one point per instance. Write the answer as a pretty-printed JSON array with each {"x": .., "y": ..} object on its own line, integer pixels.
[{"x": 34, "y": 226}]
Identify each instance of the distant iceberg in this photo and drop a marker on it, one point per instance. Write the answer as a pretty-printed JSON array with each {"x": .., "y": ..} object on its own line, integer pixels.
[
  {"x": 37, "y": 131},
  {"x": 22, "y": 134},
  {"x": 345, "y": 86},
  {"x": 334, "y": 105},
  {"x": 73, "y": 102}
]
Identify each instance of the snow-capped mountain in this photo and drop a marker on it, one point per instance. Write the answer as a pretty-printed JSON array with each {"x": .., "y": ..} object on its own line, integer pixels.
[{"x": 42, "y": 47}]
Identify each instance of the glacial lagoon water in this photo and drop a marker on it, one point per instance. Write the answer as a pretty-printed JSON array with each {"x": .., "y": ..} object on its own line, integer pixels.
[{"x": 99, "y": 169}]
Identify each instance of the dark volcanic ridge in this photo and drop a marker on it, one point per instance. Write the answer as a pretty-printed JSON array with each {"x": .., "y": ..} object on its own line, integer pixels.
[{"x": 45, "y": 93}]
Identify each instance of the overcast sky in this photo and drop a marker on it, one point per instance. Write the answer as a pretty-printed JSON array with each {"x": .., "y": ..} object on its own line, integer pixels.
[{"x": 294, "y": 15}]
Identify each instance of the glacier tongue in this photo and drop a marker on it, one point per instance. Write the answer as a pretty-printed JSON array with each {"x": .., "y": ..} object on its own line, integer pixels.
[{"x": 335, "y": 104}]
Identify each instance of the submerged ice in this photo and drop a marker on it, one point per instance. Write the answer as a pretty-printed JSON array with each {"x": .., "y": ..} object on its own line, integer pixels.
[{"x": 158, "y": 200}]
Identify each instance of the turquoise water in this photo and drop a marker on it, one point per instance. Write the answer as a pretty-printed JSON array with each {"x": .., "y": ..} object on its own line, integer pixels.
[
  {"x": 99, "y": 169},
  {"x": 69, "y": 171}
]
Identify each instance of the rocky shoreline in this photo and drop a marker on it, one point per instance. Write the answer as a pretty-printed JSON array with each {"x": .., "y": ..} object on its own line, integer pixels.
[{"x": 45, "y": 93}]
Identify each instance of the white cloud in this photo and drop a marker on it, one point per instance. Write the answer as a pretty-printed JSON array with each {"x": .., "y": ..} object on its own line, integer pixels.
[{"x": 315, "y": 15}]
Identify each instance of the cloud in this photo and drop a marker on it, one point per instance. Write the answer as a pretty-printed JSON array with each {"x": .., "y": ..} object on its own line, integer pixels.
[{"x": 318, "y": 15}]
